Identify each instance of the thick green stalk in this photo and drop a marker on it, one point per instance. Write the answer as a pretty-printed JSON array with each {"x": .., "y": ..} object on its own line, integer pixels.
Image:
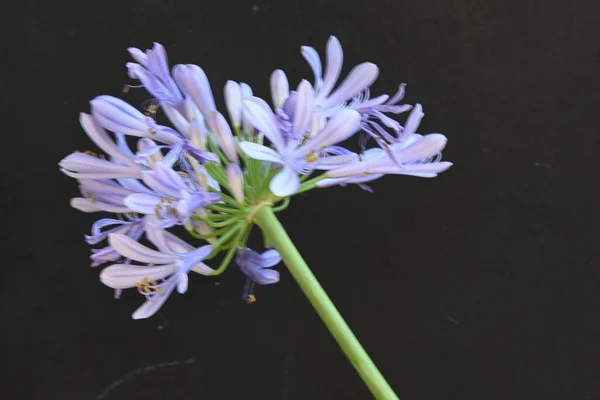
[{"x": 268, "y": 222}]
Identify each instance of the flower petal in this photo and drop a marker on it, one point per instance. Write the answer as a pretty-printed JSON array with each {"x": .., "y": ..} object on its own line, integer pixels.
[
  {"x": 263, "y": 119},
  {"x": 224, "y": 137},
  {"x": 413, "y": 121},
  {"x": 285, "y": 183},
  {"x": 233, "y": 101},
  {"x": 335, "y": 58},
  {"x": 260, "y": 152},
  {"x": 235, "y": 178},
  {"x": 343, "y": 125},
  {"x": 133, "y": 250},
  {"x": 360, "y": 78},
  {"x": 151, "y": 306},
  {"x": 280, "y": 88},
  {"x": 313, "y": 59},
  {"x": 195, "y": 83},
  {"x": 304, "y": 109},
  {"x": 124, "y": 276}
]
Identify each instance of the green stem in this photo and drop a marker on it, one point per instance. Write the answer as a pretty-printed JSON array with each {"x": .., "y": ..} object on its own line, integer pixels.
[
  {"x": 310, "y": 184},
  {"x": 268, "y": 222}
]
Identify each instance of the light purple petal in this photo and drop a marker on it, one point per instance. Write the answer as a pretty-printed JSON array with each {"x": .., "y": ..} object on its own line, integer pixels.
[
  {"x": 178, "y": 120},
  {"x": 331, "y": 162},
  {"x": 269, "y": 258},
  {"x": 343, "y": 125},
  {"x": 335, "y": 58},
  {"x": 260, "y": 152},
  {"x": 263, "y": 119},
  {"x": 133, "y": 250},
  {"x": 285, "y": 183},
  {"x": 151, "y": 306},
  {"x": 101, "y": 138},
  {"x": 233, "y": 101},
  {"x": 89, "y": 206},
  {"x": 428, "y": 146},
  {"x": 195, "y": 256},
  {"x": 413, "y": 121},
  {"x": 235, "y": 178},
  {"x": 304, "y": 109},
  {"x": 360, "y": 78},
  {"x": 142, "y": 203},
  {"x": 313, "y": 59},
  {"x": 280, "y": 88},
  {"x": 224, "y": 136},
  {"x": 195, "y": 83},
  {"x": 124, "y": 276}
]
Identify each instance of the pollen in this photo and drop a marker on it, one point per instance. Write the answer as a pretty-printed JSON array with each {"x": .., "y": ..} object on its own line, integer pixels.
[
  {"x": 148, "y": 285},
  {"x": 151, "y": 110},
  {"x": 311, "y": 157},
  {"x": 125, "y": 88},
  {"x": 251, "y": 299},
  {"x": 323, "y": 146},
  {"x": 91, "y": 198},
  {"x": 183, "y": 174},
  {"x": 365, "y": 174},
  {"x": 90, "y": 153},
  {"x": 151, "y": 131}
]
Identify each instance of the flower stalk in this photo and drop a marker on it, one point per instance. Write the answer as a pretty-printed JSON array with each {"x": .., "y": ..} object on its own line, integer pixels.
[{"x": 265, "y": 218}]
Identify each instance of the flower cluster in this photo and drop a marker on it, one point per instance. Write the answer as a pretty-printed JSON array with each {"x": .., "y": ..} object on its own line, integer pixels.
[{"x": 198, "y": 171}]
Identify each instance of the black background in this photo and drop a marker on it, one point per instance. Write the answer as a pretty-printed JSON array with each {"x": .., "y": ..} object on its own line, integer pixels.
[{"x": 480, "y": 284}]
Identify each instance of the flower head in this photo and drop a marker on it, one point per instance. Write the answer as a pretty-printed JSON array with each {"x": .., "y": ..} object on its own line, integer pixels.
[{"x": 192, "y": 169}]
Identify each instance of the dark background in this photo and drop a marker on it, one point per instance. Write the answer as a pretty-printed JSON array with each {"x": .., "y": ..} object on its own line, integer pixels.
[{"x": 480, "y": 284}]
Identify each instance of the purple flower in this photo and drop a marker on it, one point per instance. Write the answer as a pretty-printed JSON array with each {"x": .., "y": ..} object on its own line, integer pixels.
[
  {"x": 102, "y": 195},
  {"x": 194, "y": 83},
  {"x": 118, "y": 116},
  {"x": 359, "y": 78},
  {"x": 133, "y": 228},
  {"x": 417, "y": 156},
  {"x": 257, "y": 266},
  {"x": 165, "y": 269},
  {"x": 174, "y": 198},
  {"x": 291, "y": 152},
  {"x": 153, "y": 72}
]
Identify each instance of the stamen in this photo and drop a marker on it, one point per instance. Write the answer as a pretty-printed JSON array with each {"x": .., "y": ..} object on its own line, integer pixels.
[
  {"x": 311, "y": 157},
  {"x": 90, "y": 153},
  {"x": 125, "y": 88},
  {"x": 248, "y": 295}
]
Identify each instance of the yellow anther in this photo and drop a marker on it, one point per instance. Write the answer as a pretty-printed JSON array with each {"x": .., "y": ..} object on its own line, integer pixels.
[
  {"x": 146, "y": 289},
  {"x": 183, "y": 174},
  {"x": 311, "y": 157},
  {"x": 323, "y": 146},
  {"x": 125, "y": 89},
  {"x": 366, "y": 174},
  {"x": 90, "y": 153},
  {"x": 251, "y": 299},
  {"x": 170, "y": 200},
  {"x": 157, "y": 289},
  {"x": 152, "y": 281},
  {"x": 151, "y": 131},
  {"x": 91, "y": 198}
]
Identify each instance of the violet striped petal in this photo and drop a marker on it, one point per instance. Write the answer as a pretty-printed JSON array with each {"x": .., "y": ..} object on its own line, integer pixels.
[{"x": 142, "y": 203}]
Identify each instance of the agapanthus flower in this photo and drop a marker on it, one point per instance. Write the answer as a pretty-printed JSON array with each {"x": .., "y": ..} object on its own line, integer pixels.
[
  {"x": 257, "y": 266},
  {"x": 165, "y": 269},
  {"x": 216, "y": 179}
]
